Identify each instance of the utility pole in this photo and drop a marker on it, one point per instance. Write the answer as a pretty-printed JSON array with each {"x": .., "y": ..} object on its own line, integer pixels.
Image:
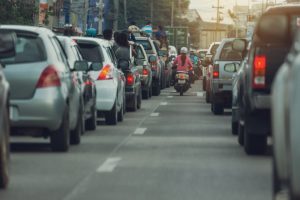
[
  {"x": 125, "y": 11},
  {"x": 172, "y": 14},
  {"x": 218, "y": 7},
  {"x": 116, "y": 14},
  {"x": 101, "y": 7},
  {"x": 85, "y": 14}
]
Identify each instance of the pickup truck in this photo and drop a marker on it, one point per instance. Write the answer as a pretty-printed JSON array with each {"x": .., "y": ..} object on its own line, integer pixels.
[{"x": 269, "y": 47}]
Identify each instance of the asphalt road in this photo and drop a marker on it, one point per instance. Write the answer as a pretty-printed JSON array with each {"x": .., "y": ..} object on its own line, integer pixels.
[{"x": 174, "y": 148}]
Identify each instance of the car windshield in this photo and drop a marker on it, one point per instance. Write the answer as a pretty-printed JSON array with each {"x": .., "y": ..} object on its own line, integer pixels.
[{"x": 28, "y": 49}]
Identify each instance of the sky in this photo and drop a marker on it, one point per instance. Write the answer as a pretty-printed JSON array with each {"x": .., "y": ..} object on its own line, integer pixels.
[{"x": 208, "y": 13}]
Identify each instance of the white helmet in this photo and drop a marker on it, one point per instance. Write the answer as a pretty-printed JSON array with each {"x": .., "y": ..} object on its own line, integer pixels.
[{"x": 184, "y": 50}]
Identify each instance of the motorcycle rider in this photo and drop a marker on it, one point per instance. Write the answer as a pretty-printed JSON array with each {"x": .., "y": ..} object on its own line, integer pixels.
[{"x": 182, "y": 63}]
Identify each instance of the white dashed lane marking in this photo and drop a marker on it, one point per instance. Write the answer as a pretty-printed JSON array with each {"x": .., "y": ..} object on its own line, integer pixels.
[
  {"x": 109, "y": 165},
  {"x": 140, "y": 131},
  {"x": 164, "y": 103},
  {"x": 154, "y": 114}
]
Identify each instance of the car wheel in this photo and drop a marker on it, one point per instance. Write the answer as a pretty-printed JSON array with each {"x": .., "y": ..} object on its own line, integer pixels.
[
  {"x": 121, "y": 113},
  {"x": 78, "y": 131},
  {"x": 4, "y": 153},
  {"x": 60, "y": 139},
  {"x": 254, "y": 144},
  {"x": 241, "y": 134},
  {"x": 234, "y": 128},
  {"x": 218, "y": 109},
  {"x": 150, "y": 92},
  {"x": 275, "y": 179},
  {"x": 146, "y": 94},
  {"x": 91, "y": 123},
  {"x": 139, "y": 100},
  {"x": 111, "y": 117},
  {"x": 207, "y": 97},
  {"x": 156, "y": 90}
]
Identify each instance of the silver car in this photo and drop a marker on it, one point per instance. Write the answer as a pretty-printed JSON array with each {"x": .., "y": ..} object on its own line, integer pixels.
[
  {"x": 109, "y": 80},
  {"x": 45, "y": 98},
  {"x": 7, "y": 49}
]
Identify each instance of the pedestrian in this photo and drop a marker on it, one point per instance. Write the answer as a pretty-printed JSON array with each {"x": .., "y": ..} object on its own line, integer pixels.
[
  {"x": 148, "y": 29},
  {"x": 107, "y": 34},
  {"x": 123, "y": 50}
]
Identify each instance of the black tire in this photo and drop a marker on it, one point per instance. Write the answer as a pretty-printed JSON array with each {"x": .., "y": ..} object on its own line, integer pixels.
[
  {"x": 4, "y": 153},
  {"x": 75, "y": 135},
  {"x": 139, "y": 100},
  {"x": 234, "y": 128},
  {"x": 156, "y": 90},
  {"x": 254, "y": 144},
  {"x": 150, "y": 92},
  {"x": 218, "y": 109},
  {"x": 241, "y": 134},
  {"x": 146, "y": 94},
  {"x": 181, "y": 91},
  {"x": 275, "y": 179},
  {"x": 204, "y": 84},
  {"x": 207, "y": 97},
  {"x": 60, "y": 139},
  {"x": 91, "y": 123},
  {"x": 111, "y": 117},
  {"x": 121, "y": 114}
]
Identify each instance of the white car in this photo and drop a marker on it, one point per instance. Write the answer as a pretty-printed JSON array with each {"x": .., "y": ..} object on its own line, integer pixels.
[
  {"x": 285, "y": 126},
  {"x": 109, "y": 80}
]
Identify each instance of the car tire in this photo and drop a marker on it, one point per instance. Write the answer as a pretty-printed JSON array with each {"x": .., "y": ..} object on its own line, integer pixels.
[
  {"x": 218, "y": 109},
  {"x": 60, "y": 139},
  {"x": 121, "y": 114},
  {"x": 4, "y": 154},
  {"x": 111, "y": 117},
  {"x": 146, "y": 94},
  {"x": 139, "y": 100},
  {"x": 275, "y": 179},
  {"x": 234, "y": 128},
  {"x": 150, "y": 92},
  {"x": 254, "y": 144},
  {"x": 91, "y": 123},
  {"x": 156, "y": 90},
  {"x": 207, "y": 97},
  {"x": 75, "y": 135},
  {"x": 241, "y": 134},
  {"x": 204, "y": 84}
]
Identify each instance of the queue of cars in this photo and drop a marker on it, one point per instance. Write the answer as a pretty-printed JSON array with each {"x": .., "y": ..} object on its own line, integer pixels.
[
  {"x": 56, "y": 86},
  {"x": 262, "y": 80}
]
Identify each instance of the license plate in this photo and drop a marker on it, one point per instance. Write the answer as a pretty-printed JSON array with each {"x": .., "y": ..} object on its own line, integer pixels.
[{"x": 181, "y": 81}]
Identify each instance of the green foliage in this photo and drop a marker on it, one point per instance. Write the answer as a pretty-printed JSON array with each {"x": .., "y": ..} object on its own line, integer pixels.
[{"x": 17, "y": 12}]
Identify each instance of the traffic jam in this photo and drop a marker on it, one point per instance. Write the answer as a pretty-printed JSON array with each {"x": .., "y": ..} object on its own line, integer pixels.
[{"x": 155, "y": 116}]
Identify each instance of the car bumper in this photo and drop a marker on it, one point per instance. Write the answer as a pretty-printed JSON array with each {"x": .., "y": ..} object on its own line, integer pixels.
[
  {"x": 44, "y": 110},
  {"x": 106, "y": 94}
]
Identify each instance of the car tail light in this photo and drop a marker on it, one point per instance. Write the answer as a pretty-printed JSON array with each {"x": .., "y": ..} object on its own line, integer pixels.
[
  {"x": 259, "y": 72},
  {"x": 129, "y": 79},
  {"x": 49, "y": 78},
  {"x": 105, "y": 73},
  {"x": 145, "y": 72},
  {"x": 216, "y": 72}
]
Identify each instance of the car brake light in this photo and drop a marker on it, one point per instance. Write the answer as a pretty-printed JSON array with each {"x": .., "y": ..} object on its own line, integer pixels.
[
  {"x": 105, "y": 73},
  {"x": 129, "y": 79},
  {"x": 145, "y": 72},
  {"x": 216, "y": 72},
  {"x": 49, "y": 78},
  {"x": 259, "y": 71}
]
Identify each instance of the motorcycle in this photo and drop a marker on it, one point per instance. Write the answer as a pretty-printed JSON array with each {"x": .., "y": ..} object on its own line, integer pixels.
[{"x": 182, "y": 83}]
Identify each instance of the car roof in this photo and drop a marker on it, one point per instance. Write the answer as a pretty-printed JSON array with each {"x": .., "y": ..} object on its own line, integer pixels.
[
  {"x": 100, "y": 41},
  {"x": 284, "y": 9},
  {"x": 34, "y": 29}
]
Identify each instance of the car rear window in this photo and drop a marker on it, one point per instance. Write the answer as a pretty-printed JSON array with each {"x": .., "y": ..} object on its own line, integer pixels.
[
  {"x": 228, "y": 54},
  {"x": 146, "y": 44},
  {"x": 90, "y": 52},
  {"x": 29, "y": 48}
]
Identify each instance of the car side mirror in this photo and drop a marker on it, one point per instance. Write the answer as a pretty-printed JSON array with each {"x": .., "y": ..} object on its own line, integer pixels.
[
  {"x": 8, "y": 41},
  {"x": 81, "y": 66},
  {"x": 152, "y": 59},
  {"x": 124, "y": 65},
  {"x": 96, "y": 66}
]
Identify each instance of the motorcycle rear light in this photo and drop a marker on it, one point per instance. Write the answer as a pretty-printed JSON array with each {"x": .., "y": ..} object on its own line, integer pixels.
[
  {"x": 88, "y": 82},
  {"x": 105, "y": 73},
  {"x": 216, "y": 72},
  {"x": 259, "y": 72},
  {"x": 49, "y": 78},
  {"x": 145, "y": 72},
  {"x": 129, "y": 79}
]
